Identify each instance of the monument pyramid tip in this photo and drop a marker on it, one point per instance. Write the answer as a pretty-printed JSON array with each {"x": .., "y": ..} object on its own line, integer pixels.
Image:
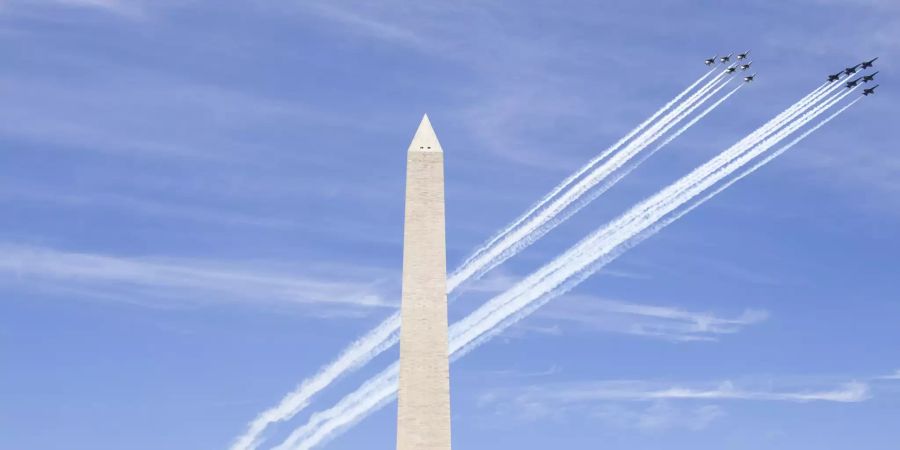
[{"x": 425, "y": 139}]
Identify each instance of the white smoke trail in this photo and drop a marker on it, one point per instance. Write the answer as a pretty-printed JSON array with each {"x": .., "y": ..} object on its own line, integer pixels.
[
  {"x": 697, "y": 118},
  {"x": 602, "y": 248},
  {"x": 381, "y": 388},
  {"x": 773, "y": 127},
  {"x": 547, "y": 218},
  {"x": 641, "y": 211},
  {"x": 781, "y": 150},
  {"x": 746, "y": 172},
  {"x": 557, "y": 212},
  {"x": 385, "y": 335},
  {"x": 704, "y": 171},
  {"x": 769, "y": 127},
  {"x": 577, "y": 174},
  {"x": 587, "y": 190},
  {"x": 374, "y": 394},
  {"x": 592, "y": 195},
  {"x": 360, "y": 351}
]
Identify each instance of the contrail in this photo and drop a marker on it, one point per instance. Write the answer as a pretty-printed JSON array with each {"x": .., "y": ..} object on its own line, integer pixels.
[
  {"x": 591, "y": 191},
  {"x": 373, "y": 395},
  {"x": 590, "y": 164},
  {"x": 769, "y": 127},
  {"x": 546, "y": 284},
  {"x": 785, "y": 148},
  {"x": 558, "y": 210},
  {"x": 385, "y": 335},
  {"x": 601, "y": 248},
  {"x": 586, "y": 199},
  {"x": 473, "y": 325},
  {"x": 773, "y": 126},
  {"x": 359, "y": 352},
  {"x": 698, "y": 117},
  {"x": 750, "y": 169}
]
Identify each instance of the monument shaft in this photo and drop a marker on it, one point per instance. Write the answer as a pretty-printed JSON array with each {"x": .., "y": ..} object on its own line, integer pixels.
[{"x": 423, "y": 415}]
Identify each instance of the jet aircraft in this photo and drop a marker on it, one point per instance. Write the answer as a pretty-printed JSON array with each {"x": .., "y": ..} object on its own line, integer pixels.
[
  {"x": 853, "y": 83},
  {"x": 743, "y": 55},
  {"x": 870, "y": 91},
  {"x": 852, "y": 70},
  {"x": 868, "y": 78},
  {"x": 869, "y": 63},
  {"x": 749, "y": 78},
  {"x": 726, "y": 58}
]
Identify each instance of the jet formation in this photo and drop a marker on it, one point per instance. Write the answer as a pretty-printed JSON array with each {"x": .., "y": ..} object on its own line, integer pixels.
[
  {"x": 745, "y": 64},
  {"x": 732, "y": 68},
  {"x": 861, "y": 79}
]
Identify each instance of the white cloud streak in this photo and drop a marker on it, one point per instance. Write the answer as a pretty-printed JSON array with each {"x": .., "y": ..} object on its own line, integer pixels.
[
  {"x": 669, "y": 403},
  {"x": 660, "y": 322},
  {"x": 144, "y": 206},
  {"x": 155, "y": 281},
  {"x": 656, "y": 417},
  {"x": 91, "y": 116},
  {"x": 128, "y": 8},
  {"x": 850, "y": 392},
  {"x": 893, "y": 376}
]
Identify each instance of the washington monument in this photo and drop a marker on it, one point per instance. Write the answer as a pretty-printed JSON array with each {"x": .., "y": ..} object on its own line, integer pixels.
[{"x": 423, "y": 415}]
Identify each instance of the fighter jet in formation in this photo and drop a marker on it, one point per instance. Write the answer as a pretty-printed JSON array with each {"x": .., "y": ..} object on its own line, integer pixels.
[
  {"x": 726, "y": 59},
  {"x": 852, "y": 70},
  {"x": 869, "y": 63},
  {"x": 870, "y": 91},
  {"x": 749, "y": 78},
  {"x": 868, "y": 78},
  {"x": 853, "y": 83},
  {"x": 731, "y": 69},
  {"x": 746, "y": 66}
]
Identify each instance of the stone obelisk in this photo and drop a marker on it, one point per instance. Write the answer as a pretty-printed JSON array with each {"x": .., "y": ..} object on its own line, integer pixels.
[{"x": 423, "y": 415}]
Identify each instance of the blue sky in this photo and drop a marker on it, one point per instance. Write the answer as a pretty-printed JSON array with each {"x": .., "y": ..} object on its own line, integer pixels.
[{"x": 203, "y": 203}]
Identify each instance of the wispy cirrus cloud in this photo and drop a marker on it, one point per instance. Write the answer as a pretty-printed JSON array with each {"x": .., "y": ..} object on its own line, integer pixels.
[
  {"x": 643, "y": 391},
  {"x": 107, "y": 114},
  {"x": 488, "y": 43},
  {"x": 651, "y": 405},
  {"x": 173, "y": 281},
  {"x": 592, "y": 314},
  {"x": 658, "y": 416},
  {"x": 893, "y": 376},
  {"x": 138, "y": 206},
  {"x": 367, "y": 24},
  {"x": 131, "y": 8}
]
